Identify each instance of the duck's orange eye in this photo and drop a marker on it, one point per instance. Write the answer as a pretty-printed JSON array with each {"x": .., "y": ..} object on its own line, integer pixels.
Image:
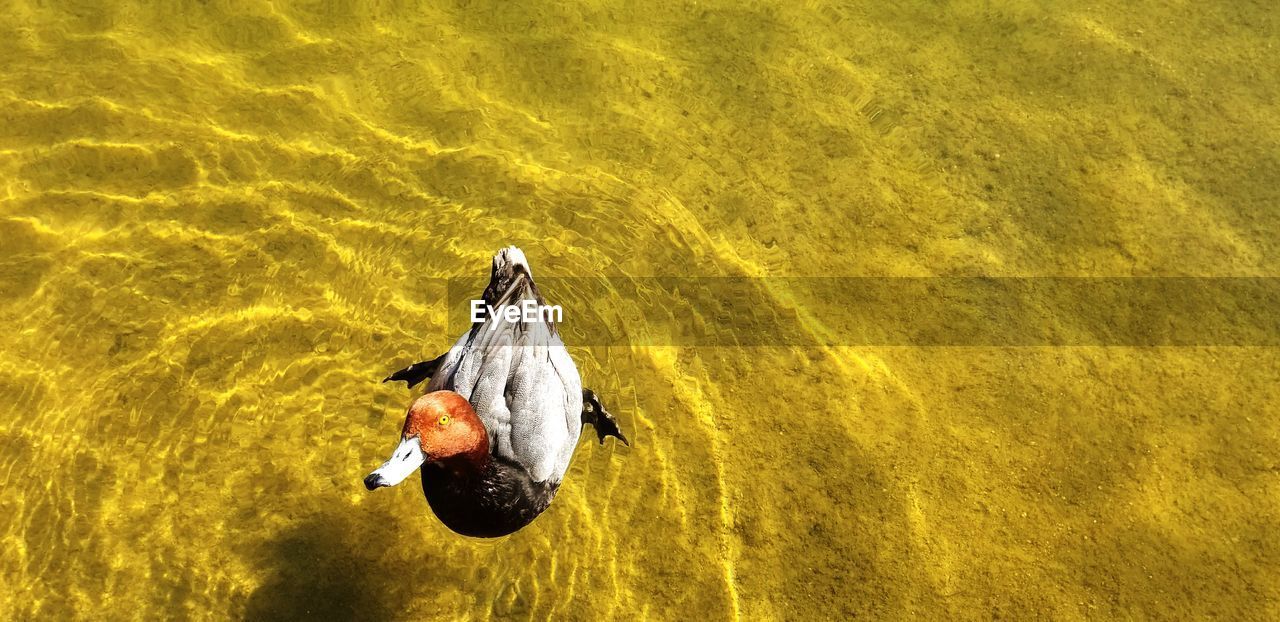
[{"x": 444, "y": 419}]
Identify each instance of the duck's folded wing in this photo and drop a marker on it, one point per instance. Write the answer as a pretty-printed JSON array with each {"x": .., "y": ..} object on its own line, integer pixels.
[
  {"x": 570, "y": 384},
  {"x": 479, "y": 369}
]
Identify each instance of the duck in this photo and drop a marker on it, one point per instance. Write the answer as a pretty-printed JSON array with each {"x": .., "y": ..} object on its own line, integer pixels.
[{"x": 500, "y": 417}]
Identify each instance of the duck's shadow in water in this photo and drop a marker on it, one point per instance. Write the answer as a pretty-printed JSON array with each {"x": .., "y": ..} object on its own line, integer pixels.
[{"x": 338, "y": 565}]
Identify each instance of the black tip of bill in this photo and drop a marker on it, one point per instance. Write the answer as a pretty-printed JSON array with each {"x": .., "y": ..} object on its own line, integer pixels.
[{"x": 374, "y": 481}]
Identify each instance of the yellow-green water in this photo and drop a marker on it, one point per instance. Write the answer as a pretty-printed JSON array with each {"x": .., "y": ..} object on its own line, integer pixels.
[{"x": 222, "y": 223}]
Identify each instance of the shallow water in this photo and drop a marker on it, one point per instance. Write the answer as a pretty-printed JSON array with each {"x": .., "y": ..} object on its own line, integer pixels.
[{"x": 223, "y": 223}]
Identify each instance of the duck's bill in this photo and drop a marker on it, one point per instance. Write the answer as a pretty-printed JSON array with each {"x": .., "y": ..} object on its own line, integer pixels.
[{"x": 405, "y": 460}]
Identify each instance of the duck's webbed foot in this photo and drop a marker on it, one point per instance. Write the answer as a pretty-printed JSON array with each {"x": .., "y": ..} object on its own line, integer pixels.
[
  {"x": 603, "y": 421},
  {"x": 417, "y": 372}
]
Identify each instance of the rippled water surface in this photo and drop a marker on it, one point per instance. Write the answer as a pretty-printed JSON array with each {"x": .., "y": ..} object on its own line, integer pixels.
[{"x": 221, "y": 224}]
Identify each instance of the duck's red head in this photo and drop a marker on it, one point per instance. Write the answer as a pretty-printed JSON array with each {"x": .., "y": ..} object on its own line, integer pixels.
[
  {"x": 441, "y": 426},
  {"x": 447, "y": 426}
]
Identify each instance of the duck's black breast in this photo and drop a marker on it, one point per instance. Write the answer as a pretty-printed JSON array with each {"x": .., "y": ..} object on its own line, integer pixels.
[{"x": 495, "y": 502}]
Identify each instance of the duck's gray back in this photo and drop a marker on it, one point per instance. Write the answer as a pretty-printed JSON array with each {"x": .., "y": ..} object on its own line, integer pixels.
[{"x": 525, "y": 388}]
